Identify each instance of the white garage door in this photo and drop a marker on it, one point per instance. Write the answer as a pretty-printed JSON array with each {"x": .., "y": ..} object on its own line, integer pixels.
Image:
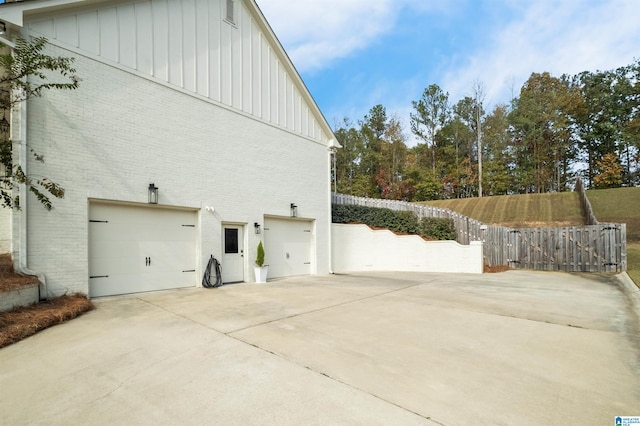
[
  {"x": 288, "y": 247},
  {"x": 134, "y": 249}
]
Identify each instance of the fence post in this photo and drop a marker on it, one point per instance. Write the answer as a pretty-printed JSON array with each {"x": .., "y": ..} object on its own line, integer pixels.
[{"x": 587, "y": 210}]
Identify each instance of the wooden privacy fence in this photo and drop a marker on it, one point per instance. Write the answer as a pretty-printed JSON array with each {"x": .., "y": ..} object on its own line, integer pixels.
[
  {"x": 585, "y": 204},
  {"x": 593, "y": 248}
]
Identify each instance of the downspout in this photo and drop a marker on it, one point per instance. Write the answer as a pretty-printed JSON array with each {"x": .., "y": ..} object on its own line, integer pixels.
[
  {"x": 330, "y": 152},
  {"x": 20, "y": 253},
  {"x": 332, "y": 149},
  {"x": 18, "y": 137}
]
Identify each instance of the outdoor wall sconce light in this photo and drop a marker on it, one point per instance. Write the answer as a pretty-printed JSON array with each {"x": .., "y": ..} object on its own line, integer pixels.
[
  {"x": 294, "y": 210},
  {"x": 256, "y": 226},
  {"x": 153, "y": 194}
]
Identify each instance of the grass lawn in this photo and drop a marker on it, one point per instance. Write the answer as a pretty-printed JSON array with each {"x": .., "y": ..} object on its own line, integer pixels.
[
  {"x": 618, "y": 205},
  {"x": 520, "y": 211},
  {"x": 633, "y": 261},
  {"x": 621, "y": 205}
]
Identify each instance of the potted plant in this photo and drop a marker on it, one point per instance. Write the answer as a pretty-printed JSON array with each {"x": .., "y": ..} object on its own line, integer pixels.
[{"x": 260, "y": 269}]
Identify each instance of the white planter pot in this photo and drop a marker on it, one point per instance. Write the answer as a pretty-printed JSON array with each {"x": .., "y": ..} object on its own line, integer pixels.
[{"x": 261, "y": 274}]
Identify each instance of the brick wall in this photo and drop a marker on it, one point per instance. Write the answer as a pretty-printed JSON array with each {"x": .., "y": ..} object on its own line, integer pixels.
[
  {"x": 23, "y": 296},
  {"x": 119, "y": 132},
  {"x": 5, "y": 230}
]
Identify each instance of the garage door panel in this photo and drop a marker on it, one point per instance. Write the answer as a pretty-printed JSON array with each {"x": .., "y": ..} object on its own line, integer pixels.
[
  {"x": 135, "y": 249},
  {"x": 288, "y": 247},
  {"x": 101, "y": 231}
]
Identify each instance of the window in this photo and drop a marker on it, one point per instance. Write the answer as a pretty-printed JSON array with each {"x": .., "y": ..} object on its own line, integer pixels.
[
  {"x": 230, "y": 240},
  {"x": 229, "y": 14}
]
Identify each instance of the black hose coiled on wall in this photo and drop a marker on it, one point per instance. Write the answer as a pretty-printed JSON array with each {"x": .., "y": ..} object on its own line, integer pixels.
[{"x": 206, "y": 280}]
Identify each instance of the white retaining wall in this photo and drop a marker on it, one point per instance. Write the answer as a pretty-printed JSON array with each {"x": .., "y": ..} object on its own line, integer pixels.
[
  {"x": 360, "y": 248},
  {"x": 23, "y": 296}
]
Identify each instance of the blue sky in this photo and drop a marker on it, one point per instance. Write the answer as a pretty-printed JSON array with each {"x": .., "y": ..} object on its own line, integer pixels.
[{"x": 354, "y": 54}]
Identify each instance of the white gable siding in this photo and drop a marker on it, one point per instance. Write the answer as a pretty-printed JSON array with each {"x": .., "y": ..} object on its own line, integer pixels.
[{"x": 190, "y": 44}]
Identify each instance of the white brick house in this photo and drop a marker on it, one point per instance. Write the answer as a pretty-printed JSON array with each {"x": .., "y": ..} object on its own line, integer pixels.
[{"x": 195, "y": 96}]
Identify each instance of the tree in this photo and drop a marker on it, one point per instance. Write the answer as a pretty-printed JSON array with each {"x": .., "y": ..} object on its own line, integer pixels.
[
  {"x": 418, "y": 181},
  {"x": 607, "y": 122},
  {"x": 348, "y": 157},
  {"x": 468, "y": 118},
  {"x": 610, "y": 175},
  {"x": 27, "y": 73},
  {"x": 455, "y": 147},
  {"x": 431, "y": 114},
  {"x": 542, "y": 130},
  {"x": 478, "y": 97},
  {"x": 628, "y": 96},
  {"x": 372, "y": 160},
  {"x": 393, "y": 159},
  {"x": 372, "y": 130},
  {"x": 497, "y": 174}
]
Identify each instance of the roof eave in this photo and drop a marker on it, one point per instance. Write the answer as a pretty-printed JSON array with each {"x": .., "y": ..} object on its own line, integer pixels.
[
  {"x": 322, "y": 119},
  {"x": 14, "y": 12}
]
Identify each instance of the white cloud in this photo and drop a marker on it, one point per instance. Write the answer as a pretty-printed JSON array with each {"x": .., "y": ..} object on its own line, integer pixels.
[
  {"x": 315, "y": 33},
  {"x": 559, "y": 37}
]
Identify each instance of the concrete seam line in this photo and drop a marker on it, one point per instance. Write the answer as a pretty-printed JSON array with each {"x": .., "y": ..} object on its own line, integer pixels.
[
  {"x": 368, "y": 393},
  {"x": 321, "y": 309},
  {"x": 282, "y": 357},
  {"x": 182, "y": 316}
]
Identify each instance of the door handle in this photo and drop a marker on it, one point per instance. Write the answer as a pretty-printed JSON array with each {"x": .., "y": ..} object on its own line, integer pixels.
[
  {"x": 241, "y": 253},
  {"x": 147, "y": 261}
]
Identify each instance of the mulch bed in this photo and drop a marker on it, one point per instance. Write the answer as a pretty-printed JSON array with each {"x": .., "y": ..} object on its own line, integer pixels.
[
  {"x": 8, "y": 279},
  {"x": 494, "y": 269},
  {"x": 23, "y": 322}
]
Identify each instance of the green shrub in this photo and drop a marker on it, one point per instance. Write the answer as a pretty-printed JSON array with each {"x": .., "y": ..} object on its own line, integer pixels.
[
  {"x": 405, "y": 222},
  {"x": 260, "y": 255},
  {"x": 438, "y": 228}
]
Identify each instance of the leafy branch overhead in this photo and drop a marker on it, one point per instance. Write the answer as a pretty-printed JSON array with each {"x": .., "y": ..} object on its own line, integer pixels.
[{"x": 27, "y": 73}]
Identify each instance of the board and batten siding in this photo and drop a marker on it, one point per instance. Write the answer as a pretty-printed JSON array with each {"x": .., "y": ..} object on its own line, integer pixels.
[{"x": 190, "y": 44}]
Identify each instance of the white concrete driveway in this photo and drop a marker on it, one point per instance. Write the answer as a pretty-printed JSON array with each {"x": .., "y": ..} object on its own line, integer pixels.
[{"x": 517, "y": 348}]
